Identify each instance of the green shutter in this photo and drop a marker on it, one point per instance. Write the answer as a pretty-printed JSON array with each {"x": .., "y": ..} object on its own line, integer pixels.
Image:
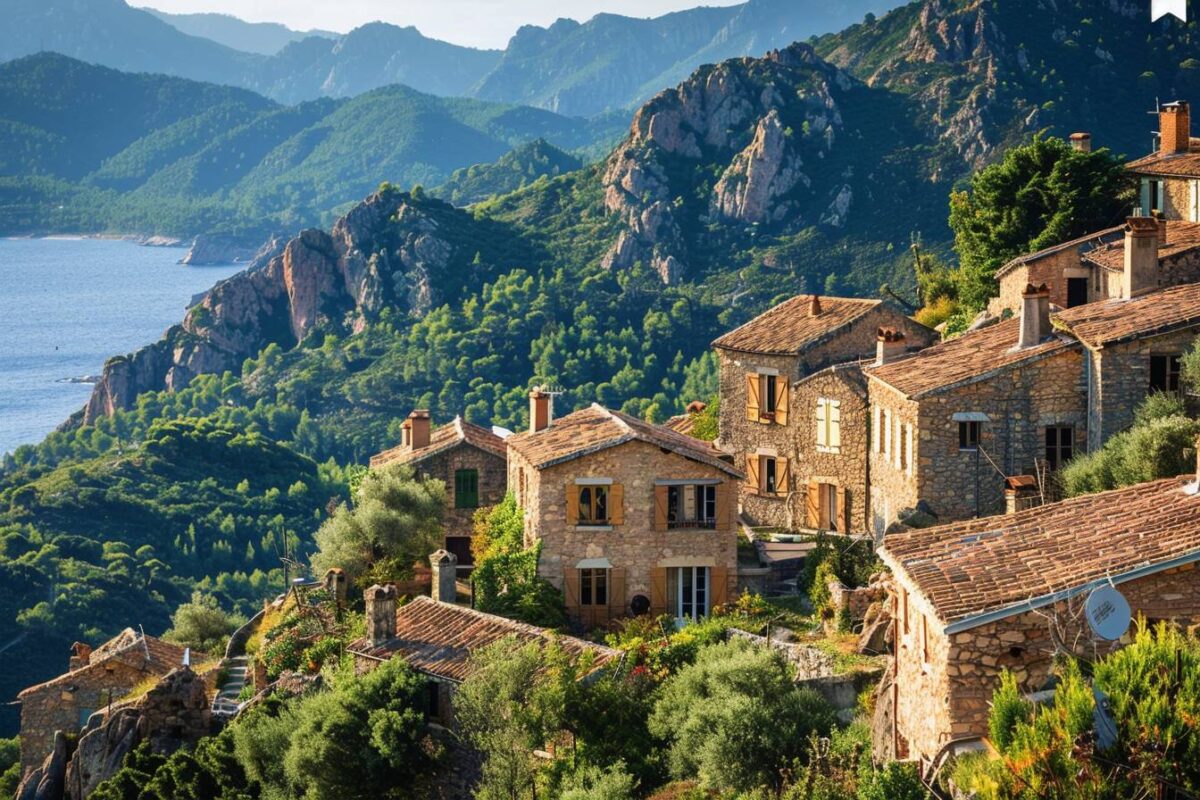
[{"x": 466, "y": 488}]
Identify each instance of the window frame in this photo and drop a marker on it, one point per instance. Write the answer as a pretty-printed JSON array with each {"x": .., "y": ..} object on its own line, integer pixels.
[
  {"x": 594, "y": 585},
  {"x": 704, "y": 496},
  {"x": 966, "y": 442},
  {"x": 770, "y": 487},
  {"x": 699, "y": 600},
  {"x": 466, "y": 475},
  {"x": 588, "y": 516},
  {"x": 1171, "y": 368},
  {"x": 1057, "y": 447}
]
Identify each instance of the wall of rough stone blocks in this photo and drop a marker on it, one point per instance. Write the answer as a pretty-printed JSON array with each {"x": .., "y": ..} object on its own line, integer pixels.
[
  {"x": 950, "y": 696},
  {"x": 1051, "y": 269},
  {"x": 1177, "y": 199},
  {"x": 894, "y": 488},
  {"x": 1123, "y": 378},
  {"x": 1020, "y": 402},
  {"x": 492, "y": 477},
  {"x": 633, "y": 546}
]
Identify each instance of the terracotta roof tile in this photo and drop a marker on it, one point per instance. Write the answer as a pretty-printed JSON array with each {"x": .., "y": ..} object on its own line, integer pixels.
[
  {"x": 789, "y": 327},
  {"x": 597, "y": 428},
  {"x": 967, "y": 358},
  {"x": 1000, "y": 565},
  {"x": 682, "y": 424},
  {"x": 1111, "y": 321},
  {"x": 1181, "y": 237},
  {"x": 457, "y": 432},
  {"x": 1181, "y": 165},
  {"x": 439, "y": 638},
  {"x": 1086, "y": 244},
  {"x": 163, "y": 657}
]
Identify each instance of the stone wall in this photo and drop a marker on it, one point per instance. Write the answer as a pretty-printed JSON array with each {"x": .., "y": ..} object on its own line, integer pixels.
[
  {"x": 894, "y": 487},
  {"x": 1122, "y": 379},
  {"x": 443, "y": 465},
  {"x": 946, "y": 695},
  {"x": 1020, "y": 403},
  {"x": 636, "y": 551},
  {"x": 1177, "y": 199},
  {"x": 855, "y": 600},
  {"x": 1052, "y": 269}
]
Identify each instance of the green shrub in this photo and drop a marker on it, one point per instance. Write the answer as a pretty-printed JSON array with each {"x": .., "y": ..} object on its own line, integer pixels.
[{"x": 1009, "y": 708}]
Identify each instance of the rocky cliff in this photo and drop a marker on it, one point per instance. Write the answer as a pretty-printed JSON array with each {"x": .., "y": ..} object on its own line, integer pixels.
[{"x": 384, "y": 252}]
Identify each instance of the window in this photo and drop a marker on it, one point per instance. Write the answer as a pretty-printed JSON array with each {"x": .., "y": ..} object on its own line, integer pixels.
[
  {"x": 829, "y": 425},
  {"x": 1060, "y": 445},
  {"x": 769, "y": 393},
  {"x": 692, "y": 506},
  {"x": 875, "y": 437},
  {"x": 1077, "y": 292},
  {"x": 887, "y": 433},
  {"x": 688, "y": 589},
  {"x": 466, "y": 488},
  {"x": 1152, "y": 196},
  {"x": 766, "y": 397},
  {"x": 908, "y": 449},
  {"x": 1164, "y": 374},
  {"x": 830, "y": 507},
  {"x": 924, "y": 639},
  {"x": 968, "y": 435},
  {"x": 902, "y": 445},
  {"x": 593, "y": 505},
  {"x": 770, "y": 482},
  {"x": 593, "y": 587},
  {"x": 904, "y": 609}
]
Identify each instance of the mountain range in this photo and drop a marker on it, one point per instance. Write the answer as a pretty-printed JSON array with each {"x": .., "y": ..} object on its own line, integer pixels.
[
  {"x": 263, "y": 38},
  {"x": 577, "y": 69}
]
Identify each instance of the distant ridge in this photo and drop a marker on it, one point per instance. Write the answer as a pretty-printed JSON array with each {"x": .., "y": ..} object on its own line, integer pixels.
[{"x": 263, "y": 38}]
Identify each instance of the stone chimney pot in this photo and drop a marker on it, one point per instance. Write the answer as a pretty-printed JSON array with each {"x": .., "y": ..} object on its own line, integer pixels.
[
  {"x": 380, "y": 613},
  {"x": 541, "y": 409},
  {"x": 814, "y": 306},
  {"x": 1035, "y": 316},
  {"x": 1141, "y": 256},
  {"x": 417, "y": 429},
  {"x": 1174, "y": 128},
  {"x": 445, "y": 576},
  {"x": 1081, "y": 142},
  {"x": 890, "y": 344}
]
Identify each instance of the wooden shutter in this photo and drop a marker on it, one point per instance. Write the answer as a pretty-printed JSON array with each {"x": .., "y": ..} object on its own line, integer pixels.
[
  {"x": 571, "y": 589},
  {"x": 572, "y": 503},
  {"x": 843, "y": 501},
  {"x": 812, "y": 505},
  {"x": 782, "y": 477},
  {"x": 753, "y": 401},
  {"x": 660, "y": 508},
  {"x": 718, "y": 586},
  {"x": 835, "y": 423},
  {"x": 822, "y": 440},
  {"x": 616, "y": 504},
  {"x": 726, "y": 506},
  {"x": 658, "y": 591},
  {"x": 782, "y": 398},
  {"x": 910, "y": 446},
  {"x": 752, "y": 472},
  {"x": 617, "y": 607},
  {"x": 876, "y": 439}
]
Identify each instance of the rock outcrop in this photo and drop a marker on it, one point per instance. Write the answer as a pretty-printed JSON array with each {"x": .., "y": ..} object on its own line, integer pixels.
[
  {"x": 172, "y": 715},
  {"x": 384, "y": 252}
]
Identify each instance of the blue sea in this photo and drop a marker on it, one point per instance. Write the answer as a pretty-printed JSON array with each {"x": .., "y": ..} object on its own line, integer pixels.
[{"x": 66, "y": 305}]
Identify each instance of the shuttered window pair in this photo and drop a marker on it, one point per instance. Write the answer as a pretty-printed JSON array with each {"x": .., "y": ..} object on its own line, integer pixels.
[
  {"x": 829, "y": 425},
  {"x": 827, "y": 507},
  {"x": 701, "y": 505},
  {"x": 687, "y": 592},
  {"x": 595, "y": 504},
  {"x": 768, "y": 475},
  {"x": 595, "y": 595},
  {"x": 767, "y": 398}
]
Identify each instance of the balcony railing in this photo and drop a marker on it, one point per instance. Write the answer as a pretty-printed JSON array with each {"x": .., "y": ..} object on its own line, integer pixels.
[{"x": 709, "y": 524}]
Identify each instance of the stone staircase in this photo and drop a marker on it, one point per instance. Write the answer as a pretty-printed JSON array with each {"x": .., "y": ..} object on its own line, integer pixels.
[{"x": 226, "y": 703}]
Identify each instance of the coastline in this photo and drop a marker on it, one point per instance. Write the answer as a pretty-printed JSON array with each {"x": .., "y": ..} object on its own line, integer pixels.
[{"x": 137, "y": 238}]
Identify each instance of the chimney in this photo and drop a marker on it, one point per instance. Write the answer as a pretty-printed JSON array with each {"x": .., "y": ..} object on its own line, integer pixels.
[
  {"x": 445, "y": 576},
  {"x": 1020, "y": 492},
  {"x": 1081, "y": 142},
  {"x": 890, "y": 344},
  {"x": 541, "y": 409},
  {"x": 381, "y": 613},
  {"x": 814, "y": 306},
  {"x": 1035, "y": 315},
  {"x": 1174, "y": 128},
  {"x": 416, "y": 429},
  {"x": 1141, "y": 257},
  {"x": 1161, "y": 222},
  {"x": 81, "y": 655},
  {"x": 335, "y": 584}
]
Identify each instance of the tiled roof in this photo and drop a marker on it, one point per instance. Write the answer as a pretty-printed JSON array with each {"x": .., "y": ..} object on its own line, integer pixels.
[
  {"x": 163, "y": 657},
  {"x": 1151, "y": 314},
  {"x": 1181, "y": 237},
  {"x": 681, "y": 424},
  {"x": 789, "y": 327},
  {"x": 973, "y": 356},
  {"x": 439, "y": 638},
  {"x": 597, "y": 428},
  {"x": 445, "y": 437},
  {"x": 1086, "y": 243},
  {"x": 1179, "y": 165},
  {"x": 1000, "y": 566}
]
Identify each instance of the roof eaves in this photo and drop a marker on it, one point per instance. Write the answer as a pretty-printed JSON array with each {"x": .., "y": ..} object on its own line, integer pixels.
[{"x": 1062, "y": 347}]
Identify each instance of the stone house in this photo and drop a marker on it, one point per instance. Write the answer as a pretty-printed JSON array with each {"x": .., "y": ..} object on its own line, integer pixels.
[
  {"x": 973, "y": 599},
  {"x": 95, "y": 679},
  {"x": 769, "y": 424},
  {"x": 470, "y": 460},
  {"x": 1169, "y": 178},
  {"x": 437, "y": 640},
  {"x": 1132, "y": 347},
  {"x": 951, "y": 423},
  {"x": 631, "y": 517}
]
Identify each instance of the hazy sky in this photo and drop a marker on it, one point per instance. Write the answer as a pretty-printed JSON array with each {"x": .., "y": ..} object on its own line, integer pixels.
[{"x": 479, "y": 23}]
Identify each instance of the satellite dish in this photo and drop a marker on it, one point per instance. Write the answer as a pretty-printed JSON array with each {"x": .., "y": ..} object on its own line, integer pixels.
[{"x": 1108, "y": 613}]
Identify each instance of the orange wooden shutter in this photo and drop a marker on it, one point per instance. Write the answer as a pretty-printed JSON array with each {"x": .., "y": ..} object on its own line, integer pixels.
[
  {"x": 616, "y": 504},
  {"x": 719, "y": 578},
  {"x": 781, "y": 400},
  {"x": 752, "y": 472},
  {"x": 660, "y": 508},
  {"x": 572, "y": 503},
  {"x": 812, "y": 513},
  {"x": 725, "y": 500},
  {"x": 753, "y": 401},
  {"x": 616, "y": 593},
  {"x": 571, "y": 589},
  {"x": 658, "y": 591},
  {"x": 843, "y": 501},
  {"x": 783, "y": 479}
]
